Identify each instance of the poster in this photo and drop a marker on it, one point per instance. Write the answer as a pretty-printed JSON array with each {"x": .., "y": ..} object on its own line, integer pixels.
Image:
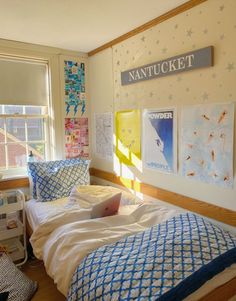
[
  {"x": 159, "y": 145},
  {"x": 76, "y": 135},
  {"x": 128, "y": 144},
  {"x": 104, "y": 135},
  {"x": 207, "y": 143},
  {"x": 74, "y": 92}
]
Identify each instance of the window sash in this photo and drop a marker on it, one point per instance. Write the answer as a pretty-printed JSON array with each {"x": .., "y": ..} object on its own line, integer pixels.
[
  {"x": 24, "y": 116},
  {"x": 27, "y": 142}
]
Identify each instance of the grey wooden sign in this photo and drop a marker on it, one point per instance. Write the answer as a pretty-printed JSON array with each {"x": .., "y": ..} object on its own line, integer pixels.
[{"x": 192, "y": 60}]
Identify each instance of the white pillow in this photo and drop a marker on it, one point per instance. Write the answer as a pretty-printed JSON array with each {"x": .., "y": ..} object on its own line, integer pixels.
[{"x": 88, "y": 195}]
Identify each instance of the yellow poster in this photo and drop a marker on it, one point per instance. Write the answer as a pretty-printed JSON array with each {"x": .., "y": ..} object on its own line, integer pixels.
[{"x": 128, "y": 132}]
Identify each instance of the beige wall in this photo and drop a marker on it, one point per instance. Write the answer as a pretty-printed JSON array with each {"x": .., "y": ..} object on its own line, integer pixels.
[
  {"x": 211, "y": 23},
  {"x": 55, "y": 57},
  {"x": 101, "y": 93}
]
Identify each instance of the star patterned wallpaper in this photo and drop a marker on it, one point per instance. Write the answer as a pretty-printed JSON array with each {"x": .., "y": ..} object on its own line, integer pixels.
[{"x": 211, "y": 23}]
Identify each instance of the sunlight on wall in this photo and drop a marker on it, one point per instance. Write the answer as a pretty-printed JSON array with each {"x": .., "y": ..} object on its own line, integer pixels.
[
  {"x": 137, "y": 162},
  {"x": 128, "y": 178},
  {"x": 126, "y": 172},
  {"x": 128, "y": 183},
  {"x": 127, "y": 143},
  {"x": 137, "y": 185},
  {"x": 116, "y": 165},
  {"x": 123, "y": 149}
]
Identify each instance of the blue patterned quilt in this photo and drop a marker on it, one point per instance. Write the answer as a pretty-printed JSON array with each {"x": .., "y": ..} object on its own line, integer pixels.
[{"x": 166, "y": 262}]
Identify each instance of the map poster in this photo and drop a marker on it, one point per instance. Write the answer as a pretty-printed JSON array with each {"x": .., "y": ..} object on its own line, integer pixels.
[
  {"x": 76, "y": 136},
  {"x": 128, "y": 131},
  {"x": 159, "y": 134},
  {"x": 207, "y": 143},
  {"x": 104, "y": 135}
]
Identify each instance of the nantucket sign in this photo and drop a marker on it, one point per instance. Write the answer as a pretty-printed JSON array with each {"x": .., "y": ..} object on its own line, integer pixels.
[{"x": 192, "y": 60}]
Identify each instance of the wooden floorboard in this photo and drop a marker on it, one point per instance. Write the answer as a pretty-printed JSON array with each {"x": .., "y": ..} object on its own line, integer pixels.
[{"x": 47, "y": 290}]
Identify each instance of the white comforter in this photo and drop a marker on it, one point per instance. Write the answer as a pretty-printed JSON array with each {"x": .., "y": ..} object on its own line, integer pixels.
[{"x": 64, "y": 240}]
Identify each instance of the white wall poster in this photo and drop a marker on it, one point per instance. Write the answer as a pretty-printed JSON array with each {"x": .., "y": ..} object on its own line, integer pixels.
[
  {"x": 159, "y": 145},
  {"x": 104, "y": 135},
  {"x": 207, "y": 143}
]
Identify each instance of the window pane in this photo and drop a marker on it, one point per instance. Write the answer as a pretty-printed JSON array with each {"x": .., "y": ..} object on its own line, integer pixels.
[
  {"x": 16, "y": 155},
  {"x": 13, "y": 109},
  {"x": 2, "y": 156},
  {"x": 2, "y": 134},
  {"x": 15, "y": 129},
  {"x": 21, "y": 135},
  {"x": 33, "y": 110},
  {"x": 38, "y": 150},
  {"x": 35, "y": 129}
]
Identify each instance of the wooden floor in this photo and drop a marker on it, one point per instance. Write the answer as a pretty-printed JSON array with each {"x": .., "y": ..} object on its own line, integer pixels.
[{"x": 47, "y": 290}]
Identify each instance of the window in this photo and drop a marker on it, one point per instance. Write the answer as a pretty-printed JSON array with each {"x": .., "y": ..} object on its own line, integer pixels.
[
  {"x": 24, "y": 101},
  {"x": 23, "y": 129}
]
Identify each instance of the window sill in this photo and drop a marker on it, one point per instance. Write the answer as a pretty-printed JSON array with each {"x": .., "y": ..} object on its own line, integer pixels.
[
  {"x": 12, "y": 177},
  {"x": 14, "y": 182},
  {"x": 13, "y": 174}
]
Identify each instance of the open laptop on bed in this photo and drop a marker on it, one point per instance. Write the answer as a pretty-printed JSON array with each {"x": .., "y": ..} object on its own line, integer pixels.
[{"x": 107, "y": 207}]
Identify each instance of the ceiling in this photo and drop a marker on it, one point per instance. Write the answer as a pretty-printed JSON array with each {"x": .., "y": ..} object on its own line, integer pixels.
[{"x": 80, "y": 25}]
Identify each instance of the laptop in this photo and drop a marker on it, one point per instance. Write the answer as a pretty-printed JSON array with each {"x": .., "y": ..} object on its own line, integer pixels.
[{"x": 107, "y": 207}]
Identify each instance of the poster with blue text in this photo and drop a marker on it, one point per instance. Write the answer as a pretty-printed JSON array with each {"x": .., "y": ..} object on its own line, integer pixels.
[
  {"x": 207, "y": 143},
  {"x": 74, "y": 92},
  {"x": 159, "y": 145}
]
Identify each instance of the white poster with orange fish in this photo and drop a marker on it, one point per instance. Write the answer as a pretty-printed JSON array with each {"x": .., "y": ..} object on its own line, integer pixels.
[{"x": 207, "y": 143}]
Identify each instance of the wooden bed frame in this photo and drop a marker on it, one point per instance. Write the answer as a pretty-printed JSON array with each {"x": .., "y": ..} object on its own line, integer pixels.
[{"x": 223, "y": 292}]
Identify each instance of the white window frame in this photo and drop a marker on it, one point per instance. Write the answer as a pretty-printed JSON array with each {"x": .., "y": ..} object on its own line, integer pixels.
[
  {"x": 49, "y": 131},
  {"x": 22, "y": 171}
]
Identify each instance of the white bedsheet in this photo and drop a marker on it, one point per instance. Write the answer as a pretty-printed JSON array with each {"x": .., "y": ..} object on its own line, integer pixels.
[
  {"x": 64, "y": 236},
  {"x": 40, "y": 212},
  {"x": 65, "y": 239}
]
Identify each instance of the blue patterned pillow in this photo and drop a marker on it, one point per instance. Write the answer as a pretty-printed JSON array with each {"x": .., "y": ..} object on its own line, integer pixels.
[
  {"x": 52, "y": 185},
  {"x": 53, "y": 179}
]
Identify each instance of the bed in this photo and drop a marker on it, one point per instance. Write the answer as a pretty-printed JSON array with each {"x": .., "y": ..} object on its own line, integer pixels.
[{"x": 84, "y": 256}]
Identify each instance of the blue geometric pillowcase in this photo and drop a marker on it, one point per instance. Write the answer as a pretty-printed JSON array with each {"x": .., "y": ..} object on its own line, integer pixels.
[
  {"x": 52, "y": 185},
  {"x": 55, "y": 179}
]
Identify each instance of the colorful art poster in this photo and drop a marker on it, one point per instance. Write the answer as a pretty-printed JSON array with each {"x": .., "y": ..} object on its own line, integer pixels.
[
  {"x": 128, "y": 131},
  {"x": 74, "y": 92},
  {"x": 207, "y": 143},
  {"x": 76, "y": 136},
  {"x": 104, "y": 135},
  {"x": 159, "y": 135}
]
